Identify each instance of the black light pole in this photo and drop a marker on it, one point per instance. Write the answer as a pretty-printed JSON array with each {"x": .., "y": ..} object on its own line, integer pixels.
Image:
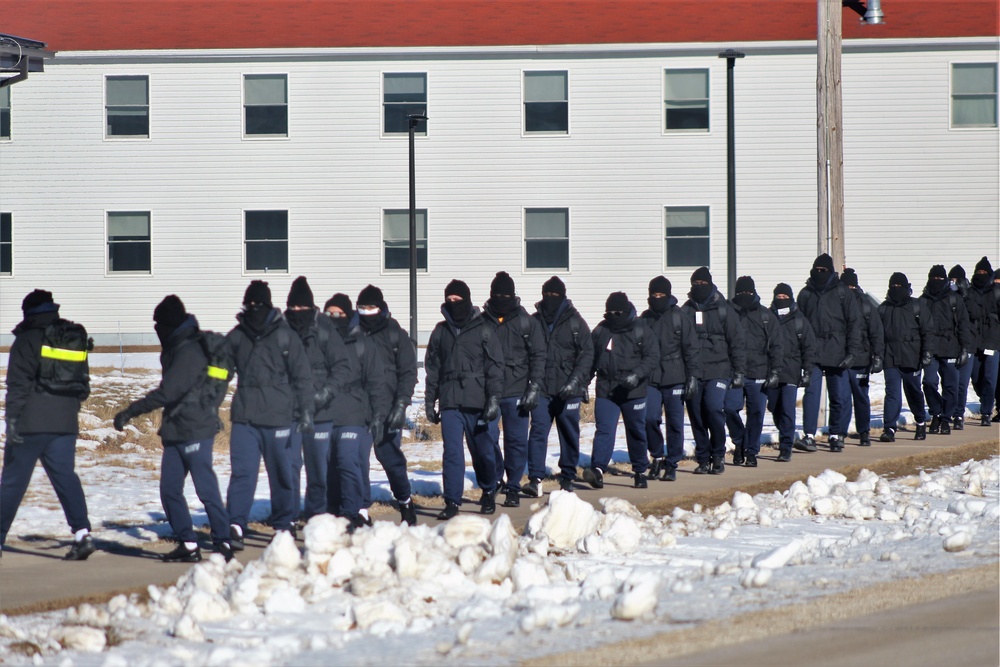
[
  {"x": 414, "y": 119},
  {"x": 730, "y": 55}
]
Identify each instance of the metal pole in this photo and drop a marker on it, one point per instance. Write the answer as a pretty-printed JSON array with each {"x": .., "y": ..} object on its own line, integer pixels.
[
  {"x": 730, "y": 56},
  {"x": 414, "y": 119}
]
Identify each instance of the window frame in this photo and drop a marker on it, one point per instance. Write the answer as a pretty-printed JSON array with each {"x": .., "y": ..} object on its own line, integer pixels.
[
  {"x": 243, "y": 108},
  {"x": 664, "y": 131},
  {"x": 664, "y": 239},
  {"x": 524, "y": 241},
  {"x": 417, "y": 134},
  {"x": 149, "y": 109},
  {"x": 108, "y": 272},
  {"x": 288, "y": 241},
  {"x": 10, "y": 113},
  {"x": 9, "y": 242},
  {"x": 427, "y": 242},
  {"x": 951, "y": 97},
  {"x": 525, "y": 132}
]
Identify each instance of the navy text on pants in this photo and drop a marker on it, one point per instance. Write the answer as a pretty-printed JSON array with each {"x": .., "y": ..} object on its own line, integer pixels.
[
  {"x": 707, "y": 412},
  {"x": 195, "y": 457},
  {"x": 248, "y": 444},
  {"x": 347, "y": 472},
  {"x": 633, "y": 415},
  {"x": 893, "y": 405},
  {"x": 668, "y": 399},
  {"x": 859, "y": 379},
  {"x": 312, "y": 449},
  {"x": 566, "y": 416},
  {"x": 482, "y": 441}
]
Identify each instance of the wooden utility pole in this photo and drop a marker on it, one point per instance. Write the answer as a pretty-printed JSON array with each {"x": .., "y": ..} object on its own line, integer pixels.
[{"x": 829, "y": 138}]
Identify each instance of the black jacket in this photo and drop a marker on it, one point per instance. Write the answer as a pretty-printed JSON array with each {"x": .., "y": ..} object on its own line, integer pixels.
[
  {"x": 273, "y": 378},
  {"x": 186, "y": 416},
  {"x": 950, "y": 332},
  {"x": 617, "y": 353},
  {"x": 327, "y": 361},
  {"x": 569, "y": 352},
  {"x": 362, "y": 394},
  {"x": 906, "y": 327},
  {"x": 464, "y": 365},
  {"x": 399, "y": 359},
  {"x": 523, "y": 344},
  {"x": 835, "y": 317},
  {"x": 720, "y": 337},
  {"x": 35, "y": 410},
  {"x": 798, "y": 345},
  {"x": 984, "y": 316},
  {"x": 760, "y": 335},
  {"x": 872, "y": 331},
  {"x": 678, "y": 346}
]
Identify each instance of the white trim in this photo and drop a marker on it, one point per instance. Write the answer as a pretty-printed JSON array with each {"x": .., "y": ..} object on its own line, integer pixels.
[
  {"x": 951, "y": 97},
  {"x": 243, "y": 109},
  {"x": 395, "y": 136},
  {"x": 707, "y": 132},
  {"x": 663, "y": 235},
  {"x": 108, "y": 273},
  {"x": 381, "y": 242},
  {"x": 569, "y": 106},
  {"x": 243, "y": 242},
  {"x": 104, "y": 108},
  {"x": 12, "y": 273},
  {"x": 525, "y": 270}
]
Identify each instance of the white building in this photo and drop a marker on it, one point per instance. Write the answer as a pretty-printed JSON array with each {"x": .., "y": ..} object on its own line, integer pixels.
[{"x": 190, "y": 147}]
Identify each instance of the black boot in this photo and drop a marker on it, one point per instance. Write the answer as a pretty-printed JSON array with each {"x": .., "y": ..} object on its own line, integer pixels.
[
  {"x": 450, "y": 510},
  {"x": 738, "y": 457},
  {"x": 488, "y": 502},
  {"x": 513, "y": 499},
  {"x": 655, "y": 466},
  {"x": 935, "y": 426},
  {"x": 81, "y": 549},
  {"x": 225, "y": 549},
  {"x": 184, "y": 555},
  {"x": 866, "y": 440},
  {"x": 751, "y": 461},
  {"x": 718, "y": 467},
  {"x": 703, "y": 468},
  {"x": 921, "y": 432},
  {"x": 236, "y": 538},
  {"x": 945, "y": 427},
  {"x": 408, "y": 513},
  {"x": 668, "y": 473},
  {"x": 784, "y": 456},
  {"x": 888, "y": 435},
  {"x": 984, "y": 420},
  {"x": 958, "y": 424},
  {"x": 594, "y": 477},
  {"x": 639, "y": 481},
  {"x": 533, "y": 489}
]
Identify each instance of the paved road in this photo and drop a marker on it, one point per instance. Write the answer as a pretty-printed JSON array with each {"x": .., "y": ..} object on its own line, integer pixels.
[{"x": 32, "y": 574}]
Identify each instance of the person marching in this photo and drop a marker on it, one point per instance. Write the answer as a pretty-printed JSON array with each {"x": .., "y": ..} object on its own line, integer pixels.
[
  {"x": 569, "y": 356},
  {"x": 723, "y": 366},
  {"x": 673, "y": 381},
  {"x": 190, "y": 422},
  {"x": 763, "y": 355},
  {"x": 465, "y": 377},
  {"x": 871, "y": 360},
  {"x": 959, "y": 283},
  {"x": 399, "y": 359},
  {"x": 625, "y": 355},
  {"x": 984, "y": 302},
  {"x": 907, "y": 326},
  {"x": 274, "y": 388},
  {"x": 42, "y": 415},
  {"x": 950, "y": 341},
  {"x": 799, "y": 356}
]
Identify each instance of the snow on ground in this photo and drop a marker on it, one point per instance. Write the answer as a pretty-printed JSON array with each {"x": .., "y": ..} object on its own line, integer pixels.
[{"x": 471, "y": 592}]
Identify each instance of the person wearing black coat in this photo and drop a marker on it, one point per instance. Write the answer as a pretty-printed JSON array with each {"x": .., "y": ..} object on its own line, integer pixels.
[
  {"x": 674, "y": 379},
  {"x": 187, "y": 430},
  {"x": 871, "y": 360},
  {"x": 723, "y": 366},
  {"x": 984, "y": 310},
  {"x": 952, "y": 344},
  {"x": 523, "y": 344},
  {"x": 906, "y": 325},
  {"x": 465, "y": 377},
  {"x": 799, "y": 356},
  {"x": 274, "y": 388},
  {"x": 763, "y": 354},
  {"x": 399, "y": 359},
  {"x": 996, "y": 392},
  {"x": 569, "y": 356},
  {"x": 836, "y": 320},
  {"x": 959, "y": 284},
  {"x": 41, "y": 425},
  {"x": 625, "y": 356}
]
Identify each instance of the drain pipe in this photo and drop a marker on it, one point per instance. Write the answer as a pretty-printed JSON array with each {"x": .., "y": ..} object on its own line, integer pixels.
[{"x": 874, "y": 14}]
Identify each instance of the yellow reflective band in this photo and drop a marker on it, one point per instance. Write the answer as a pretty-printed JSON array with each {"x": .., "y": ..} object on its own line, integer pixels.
[
  {"x": 63, "y": 355},
  {"x": 217, "y": 373}
]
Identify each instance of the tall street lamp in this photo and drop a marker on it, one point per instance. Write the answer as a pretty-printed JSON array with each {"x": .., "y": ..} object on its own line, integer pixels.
[
  {"x": 730, "y": 55},
  {"x": 414, "y": 120}
]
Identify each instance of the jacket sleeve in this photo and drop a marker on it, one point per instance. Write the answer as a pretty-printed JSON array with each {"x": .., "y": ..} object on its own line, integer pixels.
[
  {"x": 775, "y": 348},
  {"x": 185, "y": 372},
  {"x": 432, "y": 366},
  {"x": 690, "y": 348},
  {"x": 406, "y": 368},
  {"x": 22, "y": 369},
  {"x": 375, "y": 386},
  {"x": 650, "y": 358},
  {"x": 810, "y": 352},
  {"x": 965, "y": 338},
  {"x": 925, "y": 324},
  {"x": 300, "y": 374},
  {"x": 338, "y": 368},
  {"x": 493, "y": 364},
  {"x": 582, "y": 367},
  {"x": 536, "y": 352},
  {"x": 876, "y": 331},
  {"x": 597, "y": 347},
  {"x": 735, "y": 341},
  {"x": 855, "y": 324}
]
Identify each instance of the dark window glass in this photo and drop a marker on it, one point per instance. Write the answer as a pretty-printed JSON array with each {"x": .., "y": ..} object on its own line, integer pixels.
[
  {"x": 396, "y": 239},
  {"x": 127, "y": 106},
  {"x": 403, "y": 95},
  {"x": 546, "y": 102},
  {"x": 129, "y": 246},
  {"x": 265, "y": 99},
  {"x": 5, "y": 243},
  {"x": 687, "y": 237},
  {"x": 5, "y": 112},
  {"x": 267, "y": 240},
  {"x": 686, "y": 99},
  {"x": 546, "y": 238}
]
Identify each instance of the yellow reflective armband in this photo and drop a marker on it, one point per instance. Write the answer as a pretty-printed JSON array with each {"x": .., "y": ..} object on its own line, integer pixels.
[
  {"x": 217, "y": 373},
  {"x": 63, "y": 355}
]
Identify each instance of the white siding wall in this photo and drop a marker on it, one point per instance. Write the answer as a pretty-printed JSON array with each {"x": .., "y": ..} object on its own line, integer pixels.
[{"x": 917, "y": 193}]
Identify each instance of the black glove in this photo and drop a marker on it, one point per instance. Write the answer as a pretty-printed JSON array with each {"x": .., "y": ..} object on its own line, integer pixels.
[
  {"x": 13, "y": 437},
  {"x": 848, "y": 361},
  {"x": 433, "y": 414},
  {"x": 772, "y": 379},
  {"x": 322, "y": 397},
  {"x": 123, "y": 417},
  {"x": 492, "y": 410},
  {"x": 738, "y": 381},
  {"x": 305, "y": 424},
  {"x": 530, "y": 399},
  {"x": 963, "y": 359},
  {"x": 631, "y": 381},
  {"x": 377, "y": 429},
  {"x": 397, "y": 416},
  {"x": 925, "y": 359},
  {"x": 690, "y": 388},
  {"x": 570, "y": 390},
  {"x": 877, "y": 364},
  {"x": 807, "y": 378}
]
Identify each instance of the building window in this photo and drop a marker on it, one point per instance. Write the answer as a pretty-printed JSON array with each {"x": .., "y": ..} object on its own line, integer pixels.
[
  {"x": 265, "y": 102},
  {"x": 546, "y": 238},
  {"x": 5, "y": 112},
  {"x": 685, "y": 100},
  {"x": 404, "y": 95},
  {"x": 266, "y": 241},
  {"x": 396, "y": 239},
  {"x": 127, "y": 106},
  {"x": 6, "y": 245},
  {"x": 546, "y": 102},
  {"x": 129, "y": 245},
  {"x": 974, "y": 95},
  {"x": 687, "y": 239}
]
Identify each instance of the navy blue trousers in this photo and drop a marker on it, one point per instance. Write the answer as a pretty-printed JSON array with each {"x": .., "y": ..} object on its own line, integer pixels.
[
  {"x": 481, "y": 438},
  {"x": 909, "y": 381},
  {"x": 389, "y": 454},
  {"x": 313, "y": 450},
  {"x": 347, "y": 471},
  {"x": 962, "y": 391},
  {"x": 984, "y": 378},
  {"x": 707, "y": 412},
  {"x": 659, "y": 400},
  {"x": 633, "y": 415},
  {"x": 566, "y": 415},
  {"x": 839, "y": 389},
  {"x": 58, "y": 454},
  {"x": 941, "y": 404},
  {"x": 195, "y": 457},
  {"x": 512, "y": 461},
  {"x": 247, "y": 445},
  {"x": 859, "y": 380},
  {"x": 746, "y": 436},
  {"x": 781, "y": 400}
]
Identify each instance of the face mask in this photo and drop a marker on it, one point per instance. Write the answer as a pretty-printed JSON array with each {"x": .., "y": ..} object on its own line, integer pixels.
[
  {"x": 459, "y": 310},
  {"x": 658, "y": 304},
  {"x": 550, "y": 305},
  {"x": 300, "y": 320},
  {"x": 937, "y": 286},
  {"x": 980, "y": 280},
  {"x": 820, "y": 278},
  {"x": 617, "y": 321},
  {"x": 368, "y": 318},
  {"x": 368, "y": 312},
  {"x": 501, "y": 305},
  {"x": 255, "y": 317},
  {"x": 898, "y": 293},
  {"x": 163, "y": 332},
  {"x": 340, "y": 323},
  {"x": 700, "y": 293},
  {"x": 782, "y": 306},
  {"x": 745, "y": 301}
]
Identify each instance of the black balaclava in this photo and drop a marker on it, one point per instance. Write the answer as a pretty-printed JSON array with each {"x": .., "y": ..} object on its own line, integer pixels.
[
  {"x": 257, "y": 305},
  {"x": 819, "y": 277},
  {"x": 746, "y": 293},
  {"x": 783, "y": 306},
  {"x": 617, "y": 310},
  {"x": 983, "y": 276},
  {"x": 849, "y": 278},
  {"x": 168, "y": 315},
  {"x": 701, "y": 293},
  {"x": 553, "y": 295},
  {"x": 502, "y": 284},
  {"x": 342, "y": 301},
  {"x": 899, "y": 289},
  {"x": 300, "y": 295},
  {"x": 459, "y": 311},
  {"x": 659, "y": 285},
  {"x": 370, "y": 298},
  {"x": 38, "y": 301},
  {"x": 937, "y": 280}
]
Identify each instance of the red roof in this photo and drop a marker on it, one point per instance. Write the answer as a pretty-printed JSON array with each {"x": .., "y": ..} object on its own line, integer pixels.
[{"x": 89, "y": 25}]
